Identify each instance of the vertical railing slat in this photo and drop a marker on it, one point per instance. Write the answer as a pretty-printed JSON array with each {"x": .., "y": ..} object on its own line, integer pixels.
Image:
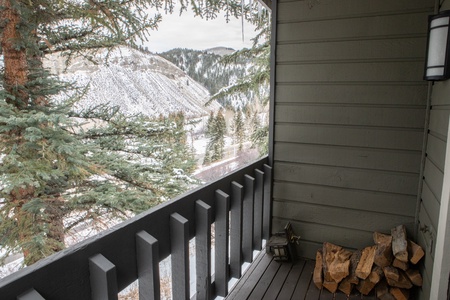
[
  {"x": 221, "y": 243},
  {"x": 247, "y": 222},
  {"x": 258, "y": 210},
  {"x": 179, "y": 241},
  {"x": 30, "y": 295},
  {"x": 103, "y": 278},
  {"x": 267, "y": 210},
  {"x": 148, "y": 266},
  {"x": 237, "y": 194},
  {"x": 203, "y": 219}
]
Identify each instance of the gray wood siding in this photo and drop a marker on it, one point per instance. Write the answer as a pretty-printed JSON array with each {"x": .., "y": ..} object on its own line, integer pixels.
[
  {"x": 349, "y": 116},
  {"x": 433, "y": 175}
]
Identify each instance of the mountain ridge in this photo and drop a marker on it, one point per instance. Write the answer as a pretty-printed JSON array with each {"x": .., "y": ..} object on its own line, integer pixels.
[{"x": 135, "y": 81}]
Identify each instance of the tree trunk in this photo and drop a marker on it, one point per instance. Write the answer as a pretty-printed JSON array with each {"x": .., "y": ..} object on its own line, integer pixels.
[
  {"x": 18, "y": 66},
  {"x": 14, "y": 56}
]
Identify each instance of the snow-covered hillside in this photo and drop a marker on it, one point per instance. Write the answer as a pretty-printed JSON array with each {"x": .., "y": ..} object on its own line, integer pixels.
[{"x": 137, "y": 82}]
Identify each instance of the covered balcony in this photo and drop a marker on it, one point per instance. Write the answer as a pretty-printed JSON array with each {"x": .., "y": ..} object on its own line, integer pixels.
[{"x": 358, "y": 143}]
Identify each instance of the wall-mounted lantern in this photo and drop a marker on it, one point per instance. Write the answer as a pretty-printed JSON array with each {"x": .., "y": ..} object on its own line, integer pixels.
[
  {"x": 438, "y": 52},
  {"x": 281, "y": 245}
]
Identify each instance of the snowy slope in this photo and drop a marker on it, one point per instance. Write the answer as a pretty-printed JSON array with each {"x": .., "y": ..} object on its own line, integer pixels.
[{"x": 136, "y": 82}]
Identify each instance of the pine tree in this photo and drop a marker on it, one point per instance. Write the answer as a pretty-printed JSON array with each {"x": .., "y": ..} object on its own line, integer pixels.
[
  {"x": 259, "y": 135},
  {"x": 52, "y": 165},
  {"x": 238, "y": 129},
  {"x": 216, "y": 128},
  {"x": 209, "y": 133},
  {"x": 219, "y": 136}
]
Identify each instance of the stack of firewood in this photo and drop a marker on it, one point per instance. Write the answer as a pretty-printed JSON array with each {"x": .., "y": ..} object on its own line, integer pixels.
[{"x": 388, "y": 267}]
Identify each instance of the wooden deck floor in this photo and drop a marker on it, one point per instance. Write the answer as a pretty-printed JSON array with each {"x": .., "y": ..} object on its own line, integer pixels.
[{"x": 267, "y": 279}]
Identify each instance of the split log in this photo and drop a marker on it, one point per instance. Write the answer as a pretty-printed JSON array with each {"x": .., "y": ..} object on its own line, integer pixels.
[
  {"x": 354, "y": 261},
  {"x": 332, "y": 286},
  {"x": 339, "y": 268},
  {"x": 400, "y": 264},
  {"x": 403, "y": 282},
  {"x": 382, "y": 291},
  {"x": 318, "y": 275},
  {"x": 376, "y": 275},
  {"x": 365, "y": 286},
  {"x": 366, "y": 262},
  {"x": 399, "y": 294},
  {"x": 381, "y": 238},
  {"x": 400, "y": 243},
  {"x": 415, "y": 252},
  {"x": 346, "y": 286},
  {"x": 414, "y": 276},
  {"x": 329, "y": 251},
  {"x": 383, "y": 253},
  {"x": 391, "y": 273}
]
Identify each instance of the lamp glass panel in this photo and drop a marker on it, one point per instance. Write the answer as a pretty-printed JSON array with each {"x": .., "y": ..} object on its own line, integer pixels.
[
  {"x": 439, "y": 22},
  {"x": 435, "y": 71},
  {"x": 437, "y": 46},
  {"x": 276, "y": 251}
]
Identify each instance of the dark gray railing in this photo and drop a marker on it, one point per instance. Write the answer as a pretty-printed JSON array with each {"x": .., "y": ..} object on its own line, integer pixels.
[{"x": 100, "y": 267}]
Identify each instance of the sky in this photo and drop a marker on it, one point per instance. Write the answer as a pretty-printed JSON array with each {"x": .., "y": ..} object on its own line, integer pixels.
[{"x": 188, "y": 31}]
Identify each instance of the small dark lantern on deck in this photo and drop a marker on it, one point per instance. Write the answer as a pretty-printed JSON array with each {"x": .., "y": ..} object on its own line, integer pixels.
[
  {"x": 438, "y": 49},
  {"x": 281, "y": 245}
]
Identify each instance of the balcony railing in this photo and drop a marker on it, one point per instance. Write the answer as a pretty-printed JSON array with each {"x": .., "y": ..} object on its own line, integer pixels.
[{"x": 98, "y": 268}]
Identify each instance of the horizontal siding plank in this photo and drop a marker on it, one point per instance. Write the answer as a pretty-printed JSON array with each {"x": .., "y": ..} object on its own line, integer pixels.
[
  {"x": 378, "y": 94},
  {"x": 431, "y": 204},
  {"x": 440, "y": 93},
  {"x": 363, "y": 28},
  {"x": 439, "y": 121},
  {"x": 350, "y": 136},
  {"x": 315, "y": 234},
  {"x": 348, "y": 178},
  {"x": 376, "y": 159},
  {"x": 350, "y": 115},
  {"x": 308, "y": 249},
  {"x": 436, "y": 151},
  {"x": 382, "y": 49},
  {"x": 346, "y": 198},
  {"x": 351, "y": 72},
  {"x": 339, "y": 217},
  {"x": 294, "y": 10},
  {"x": 434, "y": 179}
]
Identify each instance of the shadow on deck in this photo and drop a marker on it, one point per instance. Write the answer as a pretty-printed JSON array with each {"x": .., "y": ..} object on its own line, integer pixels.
[{"x": 268, "y": 279}]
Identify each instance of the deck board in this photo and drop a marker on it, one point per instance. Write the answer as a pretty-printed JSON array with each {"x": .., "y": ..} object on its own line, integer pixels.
[
  {"x": 292, "y": 280},
  {"x": 267, "y": 279},
  {"x": 277, "y": 283}
]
